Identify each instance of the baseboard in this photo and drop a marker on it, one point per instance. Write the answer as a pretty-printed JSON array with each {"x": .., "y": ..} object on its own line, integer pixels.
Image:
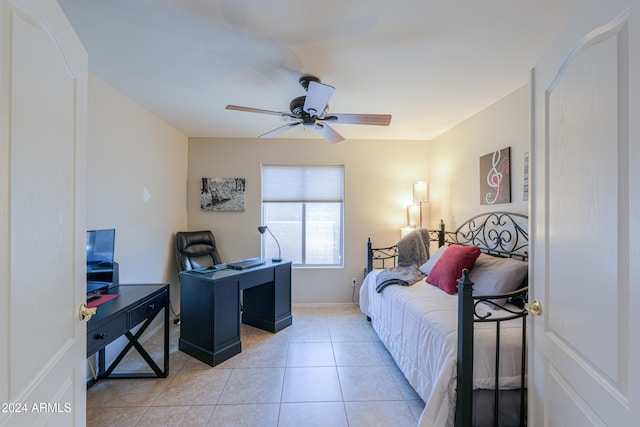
[{"x": 323, "y": 304}]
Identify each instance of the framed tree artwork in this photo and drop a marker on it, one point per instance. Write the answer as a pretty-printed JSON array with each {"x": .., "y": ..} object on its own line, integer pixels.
[
  {"x": 495, "y": 177},
  {"x": 222, "y": 194}
]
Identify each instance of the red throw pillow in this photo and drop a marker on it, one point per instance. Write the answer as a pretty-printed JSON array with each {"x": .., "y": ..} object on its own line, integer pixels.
[{"x": 448, "y": 269}]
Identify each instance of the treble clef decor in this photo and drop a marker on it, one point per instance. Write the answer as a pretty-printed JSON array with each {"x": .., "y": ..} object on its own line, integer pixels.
[{"x": 495, "y": 177}]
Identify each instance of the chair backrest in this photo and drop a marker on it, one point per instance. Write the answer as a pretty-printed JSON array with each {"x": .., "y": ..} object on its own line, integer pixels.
[{"x": 196, "y": 249}]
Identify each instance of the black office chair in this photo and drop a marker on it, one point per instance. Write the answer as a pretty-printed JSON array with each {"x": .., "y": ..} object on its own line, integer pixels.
[{"x": 196, "y": 249}]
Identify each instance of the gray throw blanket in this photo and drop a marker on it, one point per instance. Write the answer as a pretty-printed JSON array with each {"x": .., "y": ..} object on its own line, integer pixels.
[
  {"x": 399, "y": 275},
  {"x": 414, "y": 248}
]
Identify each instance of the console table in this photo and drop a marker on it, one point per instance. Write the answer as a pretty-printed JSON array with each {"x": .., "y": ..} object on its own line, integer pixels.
[
  {"x": 211, "y": 308},
  {"x": 117, "y": 317}
]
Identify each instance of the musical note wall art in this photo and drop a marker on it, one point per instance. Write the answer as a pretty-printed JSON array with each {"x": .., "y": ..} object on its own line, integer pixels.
[{"x": 495, "y": 177}]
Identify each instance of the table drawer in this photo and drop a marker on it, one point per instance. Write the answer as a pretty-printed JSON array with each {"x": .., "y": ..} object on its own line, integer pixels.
[
  {"x": 256, "y": 277},
  {"x": 146, "y": 309},
  {"x": 100, "y": 337}
]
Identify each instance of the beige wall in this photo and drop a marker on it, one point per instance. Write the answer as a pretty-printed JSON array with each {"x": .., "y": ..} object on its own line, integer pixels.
[
  {"x": 137, "y": 172},
  {"x": 144, "y": 180},
  {"x": 454, "y": 159},
  {"x": 378, "y": 179}
]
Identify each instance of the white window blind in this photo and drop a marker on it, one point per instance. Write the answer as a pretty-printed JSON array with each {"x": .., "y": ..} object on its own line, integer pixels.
[
  {"x": 302, "y": 183},
  {"x": 304, "y": 207}
]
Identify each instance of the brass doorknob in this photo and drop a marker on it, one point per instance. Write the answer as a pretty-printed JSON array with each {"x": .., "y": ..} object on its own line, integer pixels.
[
  {"x": 534, "y": 308},
  {"x": 85, "y": 312}
]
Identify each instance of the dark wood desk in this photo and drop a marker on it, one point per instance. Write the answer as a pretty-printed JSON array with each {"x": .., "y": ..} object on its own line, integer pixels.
[
  {"x": 117, "y": 317},
  {"x": 211, "y": 309}
]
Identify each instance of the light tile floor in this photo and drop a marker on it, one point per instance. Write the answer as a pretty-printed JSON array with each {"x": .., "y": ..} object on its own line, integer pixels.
[{"x": 327, "y": 369}]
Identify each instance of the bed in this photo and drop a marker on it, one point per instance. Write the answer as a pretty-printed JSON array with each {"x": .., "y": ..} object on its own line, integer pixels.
[{"x": 444, "y": 340}]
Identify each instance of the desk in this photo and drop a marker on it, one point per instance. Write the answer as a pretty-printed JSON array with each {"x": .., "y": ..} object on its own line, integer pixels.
[
  {"x": 117, "y": 317},
  {"x": 210, "y": 308}
]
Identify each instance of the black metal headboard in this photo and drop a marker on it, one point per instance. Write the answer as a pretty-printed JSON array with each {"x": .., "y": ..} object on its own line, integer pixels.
[{"x": 497, "y": 233}]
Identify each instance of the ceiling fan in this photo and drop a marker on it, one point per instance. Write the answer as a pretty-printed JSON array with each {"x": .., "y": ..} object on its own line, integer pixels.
[{"x": 312, "y": 110}]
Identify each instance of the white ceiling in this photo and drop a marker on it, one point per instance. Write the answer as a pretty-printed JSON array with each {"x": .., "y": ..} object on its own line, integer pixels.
[{"x": 429, "y": 63}]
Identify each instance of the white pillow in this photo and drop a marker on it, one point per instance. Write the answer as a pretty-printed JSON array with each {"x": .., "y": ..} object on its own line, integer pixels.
[
  {"x": 427, "y": 266},
  {"x": 494, "y": 275}
]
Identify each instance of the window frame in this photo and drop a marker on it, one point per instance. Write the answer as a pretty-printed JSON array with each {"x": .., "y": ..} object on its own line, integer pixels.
[{"x": 303, "y": 205}]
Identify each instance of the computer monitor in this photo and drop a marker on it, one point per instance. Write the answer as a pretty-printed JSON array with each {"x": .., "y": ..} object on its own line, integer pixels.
[
  {"x": 102, "y": 271},
  {"x": 100, "y": 246}
]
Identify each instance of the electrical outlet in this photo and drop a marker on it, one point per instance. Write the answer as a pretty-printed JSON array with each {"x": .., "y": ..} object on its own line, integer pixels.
[{"x": 353, "y": 282}]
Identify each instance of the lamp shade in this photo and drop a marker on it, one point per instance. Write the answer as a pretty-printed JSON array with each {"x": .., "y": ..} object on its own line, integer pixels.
[
  {"x": 420, "y": 192},
  {"x": 406, "y": 230},
  {"x": 413, "y": 215}
]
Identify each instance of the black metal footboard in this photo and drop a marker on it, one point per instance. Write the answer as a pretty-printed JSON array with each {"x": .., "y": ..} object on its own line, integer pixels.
[
  {"x": 501, "y": 234},
  {"x": 467, "y": 316}
]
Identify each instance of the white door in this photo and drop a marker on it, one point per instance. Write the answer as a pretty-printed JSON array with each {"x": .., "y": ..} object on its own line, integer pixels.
[
  {"x": 585, "y": 346},
  {"x": 43, "y": 90}
]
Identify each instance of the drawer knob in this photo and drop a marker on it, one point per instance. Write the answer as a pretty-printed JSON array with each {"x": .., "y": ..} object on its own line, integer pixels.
[
  {"x": 101, "y": 336},
  {"x": 151, "y": 307}
]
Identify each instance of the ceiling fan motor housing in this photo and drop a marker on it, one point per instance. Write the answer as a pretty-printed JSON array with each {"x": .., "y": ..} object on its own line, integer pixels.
[
  {"x": 296, "y": 105},
  {"x": 297, "y": 108}
]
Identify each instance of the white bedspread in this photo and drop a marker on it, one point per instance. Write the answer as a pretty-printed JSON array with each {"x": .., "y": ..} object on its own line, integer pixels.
[{"x": 418, "y": 325}]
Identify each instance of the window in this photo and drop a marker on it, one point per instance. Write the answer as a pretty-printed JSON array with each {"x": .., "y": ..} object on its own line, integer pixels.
[{"x": 303, "y": 207}]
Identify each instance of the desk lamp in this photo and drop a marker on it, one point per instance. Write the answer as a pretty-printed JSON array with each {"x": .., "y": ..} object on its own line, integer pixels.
[{"x": 264, "y": 228}]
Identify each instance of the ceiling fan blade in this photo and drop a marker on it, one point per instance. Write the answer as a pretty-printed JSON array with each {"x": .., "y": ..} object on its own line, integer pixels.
[
  {"x": 318, "y": 95},
  {"x": 359, "y": 119},
  {"x": 279, "y": 130},
  {"x": 328, "y": 133},
  {"x": 258, "y": 110}
]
